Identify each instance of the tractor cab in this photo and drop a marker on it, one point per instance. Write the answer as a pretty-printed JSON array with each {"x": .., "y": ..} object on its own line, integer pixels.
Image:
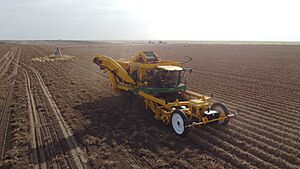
[{"x": 168, "y": 76}]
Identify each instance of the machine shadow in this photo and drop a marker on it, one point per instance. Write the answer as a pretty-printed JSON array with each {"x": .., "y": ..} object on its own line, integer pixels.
[{"x": 125, "y": 120}]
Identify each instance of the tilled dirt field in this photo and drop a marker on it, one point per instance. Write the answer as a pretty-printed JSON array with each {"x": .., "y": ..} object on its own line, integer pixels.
[{"x": 64, "y": 114}]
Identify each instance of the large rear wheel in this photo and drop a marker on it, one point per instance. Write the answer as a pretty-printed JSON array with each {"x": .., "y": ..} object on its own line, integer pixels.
[
  {"x": 223, "y": 111},
  {"x": 179, "y": 123}
]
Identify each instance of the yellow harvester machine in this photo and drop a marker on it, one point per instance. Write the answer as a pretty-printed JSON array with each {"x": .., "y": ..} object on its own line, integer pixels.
[{"x": 161, "y": 83}]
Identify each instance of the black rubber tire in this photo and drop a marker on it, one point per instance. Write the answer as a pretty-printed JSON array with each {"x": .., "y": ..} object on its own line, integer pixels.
[
  {"x": 185, "y": 123},
  {"x": 225, "y": 110}
]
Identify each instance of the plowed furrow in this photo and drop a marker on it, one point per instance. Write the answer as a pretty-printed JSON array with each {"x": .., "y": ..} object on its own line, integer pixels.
[
  {"x": 241, "y": 88},
  {"x": 264, "y": 144},
  {"x": 233, "y": 159},
  {"x": 265, "y": 112},
  {"x": 276, "y": 110},
  {"x": 265, "y": 133},
  {"x": 288, "y": 101},
  {"x": 99, "y": 88},
  {"x": 270, "y": 141},
  {"x": 252, "y": 149},
  {"x": 248, "y": 80},
  {"x": 230, "y": 148},
  {"x": 254, "y": 100},
  {"x": 260, "y": 115},
  {"x": 252, "y": 115}
]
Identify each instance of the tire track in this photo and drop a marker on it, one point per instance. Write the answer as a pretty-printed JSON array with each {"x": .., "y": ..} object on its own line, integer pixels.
[
  {"x": 5, "y": 111},
  {"x": 38, "y": 156},
  {"x": 76, "y": 152},
  {"x": 4, "y": 67},
  {"x": 6, "y": 55},
  {"x": 16, "y": 63},
  {"x": 4, "y": 120}
]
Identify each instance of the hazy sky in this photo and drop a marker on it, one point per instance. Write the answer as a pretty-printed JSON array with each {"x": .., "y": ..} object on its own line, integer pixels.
[{"x": 151, "y": 19}]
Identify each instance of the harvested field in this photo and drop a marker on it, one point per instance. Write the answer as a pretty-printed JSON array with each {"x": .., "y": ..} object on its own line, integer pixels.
[{"x": 63, "y": 114}]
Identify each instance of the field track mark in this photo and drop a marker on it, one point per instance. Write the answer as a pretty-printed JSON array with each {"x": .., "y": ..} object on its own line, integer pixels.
[
  {"x": 75, "y": 150},
  {"x": 5, "y": 111},
  {"x": 5, "y": 56},
  {"x": 4, "y": 121},
  {"x": 16, "y": 63},
  {"x": 35, "y": 128},
  {"x": 4, "y": 67}
]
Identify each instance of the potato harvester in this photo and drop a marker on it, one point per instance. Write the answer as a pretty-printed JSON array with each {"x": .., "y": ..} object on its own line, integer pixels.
[{"x": 162, "y": 85}]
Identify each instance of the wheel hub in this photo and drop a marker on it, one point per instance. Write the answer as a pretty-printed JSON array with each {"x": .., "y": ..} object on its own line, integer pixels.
[{"x": 177, "y": 123}]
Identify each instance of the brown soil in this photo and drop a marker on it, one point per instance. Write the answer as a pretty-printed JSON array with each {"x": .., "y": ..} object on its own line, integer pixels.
[{"x": 64, "y": 114}]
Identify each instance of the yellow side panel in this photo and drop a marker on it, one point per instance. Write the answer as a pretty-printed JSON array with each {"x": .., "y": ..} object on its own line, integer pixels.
[
  {"x": 114, "y": 66},
  {"x": 113, "y": 81}
]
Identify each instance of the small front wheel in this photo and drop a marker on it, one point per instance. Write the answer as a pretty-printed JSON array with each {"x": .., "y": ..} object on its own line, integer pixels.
[
  {"x": 179, "y": 123},
  {"x": 223, "y": 112}
]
